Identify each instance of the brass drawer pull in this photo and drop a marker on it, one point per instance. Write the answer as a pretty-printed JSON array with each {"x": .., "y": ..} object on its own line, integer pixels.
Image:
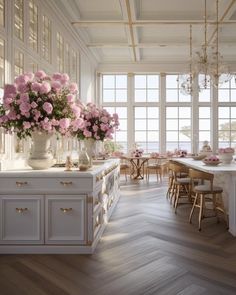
[
  {"x": 21, "y": 210},
  {"x": 66, "y": 183},
  {"x": 66, "y": 210},
  {"x": 21, "y": 183}
]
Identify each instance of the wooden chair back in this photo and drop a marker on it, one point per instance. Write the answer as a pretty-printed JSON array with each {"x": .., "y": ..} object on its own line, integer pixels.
[{"x": 202, "y": 176}]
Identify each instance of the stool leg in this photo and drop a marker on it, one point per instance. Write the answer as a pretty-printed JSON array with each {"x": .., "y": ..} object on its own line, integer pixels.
[
  {"x": 193, "y": 208},
  {"x": 177, "y": 198},
  {"x": 200, "y": 212}
]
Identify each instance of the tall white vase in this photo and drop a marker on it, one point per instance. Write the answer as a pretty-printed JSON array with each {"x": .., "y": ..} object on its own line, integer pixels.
[
  {"x": 226, "y": 158},
  {"x": 41, "y": 156}
]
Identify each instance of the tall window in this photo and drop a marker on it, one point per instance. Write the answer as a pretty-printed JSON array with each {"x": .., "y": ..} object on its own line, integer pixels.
[
  {"x": 60, "y": 53},
  {"x": 114, "y": 95},
  {"x": 178, "y": 128},
  {"x": 178, "y": 115},
  {"x": 204, "y": 125},
  {"x": 2, "y": 66},
  {"x": 33, "y": 66},
  {"x": 33, "y": 25},
  {"x": 227, "y": 92},
  {"x": 2, "y": 13},
  {"x": 74, "y": 65},
  {"x": 227, "y": 126},
  {"x": 18, "y": 63},
  {"x": 147, "y": 128},
  {"x": 19, "y": 19},
  {"x": 120, "y": 136},
  {"x": 67, "y": 59},
  {"x": 46, "y": 39}
]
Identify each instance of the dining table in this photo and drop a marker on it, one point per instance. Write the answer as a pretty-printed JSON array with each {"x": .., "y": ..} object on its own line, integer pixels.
[
  {"x": 224, "y": 176},
  {"x": 137, "y": 166}
]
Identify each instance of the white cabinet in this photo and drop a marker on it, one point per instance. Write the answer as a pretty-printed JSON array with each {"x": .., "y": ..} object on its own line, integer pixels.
[
  {"x": 55, "y": 211},
  {"x": 22, "y": 219},
  {"x": 65, "y": 219}
]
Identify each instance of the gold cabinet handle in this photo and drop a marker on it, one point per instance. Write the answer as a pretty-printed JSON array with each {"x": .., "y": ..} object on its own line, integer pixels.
[
  {"x": 66, "y": 210},
  {"x": 21, "y": 183},
  {"x": 21, "y": 210},
  {"x": 66, "y": 183}
]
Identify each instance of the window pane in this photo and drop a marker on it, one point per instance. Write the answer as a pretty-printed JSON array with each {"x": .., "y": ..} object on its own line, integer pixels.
[
  {"x": 108, "y": 81},
  {"x": 224, "y": 112},
  {"x": 19, "y": 19},
  {"x": 121, "y": 95},
  {"x": 46, "y": 38},
  {"x": 140, "y": 124},
  {"x": 153, "y": 81},
  {"x": 171, "y": 81},
  {"x": 171, "y": 95},
  {"x": 204, "y": 112},
  {"x": 153, "y": 136},
  {"x": 140, "y": 95},
  {"x": 140, "y": 136},
  {"x": 140, "y": 81},
  {"x": 171, "y": 124},
  {"x": 140, "y": 112},
  {"x": 121, "y": 111},
  {"x": 121, "y": 81},
  {"x": 223, "y": 95},
  {"x": 33, "y": 25},
  {"x": 172, "y": 112},
  {"x": 108, "y": 95},
  {"x": 172, "y": 136},
  {"x": 152, "y": 95},
  {"x": 153, "y": 124}
]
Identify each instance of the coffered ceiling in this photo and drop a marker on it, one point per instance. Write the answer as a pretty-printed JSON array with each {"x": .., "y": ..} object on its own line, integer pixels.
[{"x": 150, "y": 31}]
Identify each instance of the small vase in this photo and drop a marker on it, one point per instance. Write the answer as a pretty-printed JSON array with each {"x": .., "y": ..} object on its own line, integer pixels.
[
  {"x": 41, "y": 156},
  {"x": 226, "y": 158},
  {"x": 84, "y": 160},
  {"x": 90, "y": 145}
]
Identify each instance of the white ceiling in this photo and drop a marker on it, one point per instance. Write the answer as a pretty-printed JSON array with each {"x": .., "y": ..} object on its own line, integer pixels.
[{"x": 154, "y": 31}]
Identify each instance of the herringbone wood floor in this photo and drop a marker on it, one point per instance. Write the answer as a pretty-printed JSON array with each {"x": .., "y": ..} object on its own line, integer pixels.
[{"x": 146, "y": 249}]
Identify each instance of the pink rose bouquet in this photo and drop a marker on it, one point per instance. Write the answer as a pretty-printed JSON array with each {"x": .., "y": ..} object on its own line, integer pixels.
[
  {"x": 96, "y": 123},
  {"x": 137, "y": 152},
  {"x": 37, "y": 102}
]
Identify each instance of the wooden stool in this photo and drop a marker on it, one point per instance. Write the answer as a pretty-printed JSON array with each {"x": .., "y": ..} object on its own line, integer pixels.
[
  {"x": 201, "y": 191},
  {"x": 155, "y": 166},
  {"x": 125, "y": 167},
  {"x": 181, "y": 185}
]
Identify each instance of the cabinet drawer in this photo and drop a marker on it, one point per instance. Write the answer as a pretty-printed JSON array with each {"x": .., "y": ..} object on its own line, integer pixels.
[
  {"x": 66, "y": 219},
  {"x": 21, "y": 219},
  {"x": 45, "y": 185}
]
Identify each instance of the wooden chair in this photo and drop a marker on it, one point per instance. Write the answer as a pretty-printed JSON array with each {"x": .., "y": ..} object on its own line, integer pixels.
[
  {"x": 154, "y": 165},
  {"x": 124, "y": 166},
  {"x": 180, "y": 185},
  {"x": 206, "y": 191}
]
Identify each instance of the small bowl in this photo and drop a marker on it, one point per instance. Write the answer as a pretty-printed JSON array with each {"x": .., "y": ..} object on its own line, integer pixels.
[{"x": 198, "y": 157}]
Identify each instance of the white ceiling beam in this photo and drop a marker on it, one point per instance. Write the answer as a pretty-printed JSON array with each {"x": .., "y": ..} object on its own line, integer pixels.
[
  {"x": 143, "y": 23},
  {"x": 135, "y": 32},
  {"x": 126, "y": 12}
]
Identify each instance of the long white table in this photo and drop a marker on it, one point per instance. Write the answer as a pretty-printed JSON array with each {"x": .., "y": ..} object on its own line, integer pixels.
[{"x": 225, "y": 176}]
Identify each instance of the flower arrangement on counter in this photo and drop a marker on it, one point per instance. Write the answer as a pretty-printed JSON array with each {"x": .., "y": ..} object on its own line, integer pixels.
[
  {"x": 227, "y": 150},
  {"x": 138, "y": 152},
  {"x": 98, "y": 124},
  {"x": 181, "y": 153},
  {"x": 38, "y": 102},
  {"x": 211, "y": 160}
]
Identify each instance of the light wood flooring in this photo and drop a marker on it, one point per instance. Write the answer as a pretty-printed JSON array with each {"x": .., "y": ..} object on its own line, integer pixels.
[{"x": 146, "y": 249}]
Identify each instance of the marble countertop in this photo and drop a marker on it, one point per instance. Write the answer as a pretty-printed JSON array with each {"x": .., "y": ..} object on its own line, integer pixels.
[
  {"x": 98, "y": 167},
  {"x": 202, "y": 166}
]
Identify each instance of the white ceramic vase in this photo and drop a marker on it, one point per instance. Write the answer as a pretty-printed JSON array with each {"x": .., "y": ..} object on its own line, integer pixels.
[
  {"x": 226, "y": 158},
  {"x": 41, "y": 156}
]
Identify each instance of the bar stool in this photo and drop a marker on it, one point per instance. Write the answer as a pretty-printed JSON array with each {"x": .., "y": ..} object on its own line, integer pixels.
[
  {"x": 201, "y": 192},
  {"x": 180, "y": 185},
  {"x": 154, "y": 165},
  {"x": 124, "y": 166}
]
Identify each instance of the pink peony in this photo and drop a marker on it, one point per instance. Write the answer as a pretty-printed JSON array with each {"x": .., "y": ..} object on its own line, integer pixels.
[
  {"x": 34, "y": 105},
  {"x": 45, "y": 88},
  {"x": 36, "y": 86},
  {"x": 40, "y": 74},
  {"x": 21, "y": 88},
  {"x": 56, "y": 76},
  {"x": 25, "y": 107},
  {"x": 56, "y": 85},
  {"x": 9, "y": 90},
  {"x": 64, "y": 123},
  {"x": 48, "y": 108},
  {"x": 77, "y": 124},
  {"x": 70, "y": 98},
  {"x": 73, "y": 87},
  {"x": 26, "y": 125},
  {"x": 87, "y": 133}
]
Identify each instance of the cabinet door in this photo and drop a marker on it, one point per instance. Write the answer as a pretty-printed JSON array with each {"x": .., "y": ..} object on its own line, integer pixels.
[
  {"x": 66, "y": 219},
  {"x": 21, "y": 219}
]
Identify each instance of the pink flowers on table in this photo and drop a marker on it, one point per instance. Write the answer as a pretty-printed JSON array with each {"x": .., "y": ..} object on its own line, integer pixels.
[
  {"x": 137, "y": 152},
  {"x": 37, "y": 102},
  {"x": 226, "y": 150},
  {"x": 97, "y": 123}
]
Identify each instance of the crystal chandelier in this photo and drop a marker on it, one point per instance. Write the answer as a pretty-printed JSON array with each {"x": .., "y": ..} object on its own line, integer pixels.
[{"x": 208, "y": 63}]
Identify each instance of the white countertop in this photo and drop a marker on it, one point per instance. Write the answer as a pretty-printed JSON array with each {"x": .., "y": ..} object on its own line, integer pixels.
[
  {"x": 202, "y": 166},
  {"x": 60, "y": 172}
]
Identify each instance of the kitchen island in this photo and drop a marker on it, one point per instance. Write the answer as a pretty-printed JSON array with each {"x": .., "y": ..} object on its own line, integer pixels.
[
  {"x": 224, "y": 176},
  {"x": 57, "y": 211}
]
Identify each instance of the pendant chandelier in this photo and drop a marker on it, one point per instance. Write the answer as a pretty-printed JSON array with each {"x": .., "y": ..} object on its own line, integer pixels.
[{"x": 208, "y": 63}]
